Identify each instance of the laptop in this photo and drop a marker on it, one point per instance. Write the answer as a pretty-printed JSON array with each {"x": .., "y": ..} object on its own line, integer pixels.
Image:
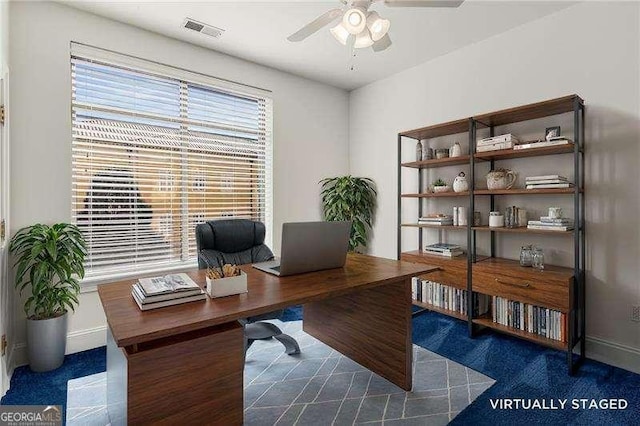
[{"x": 308, "y": 247}]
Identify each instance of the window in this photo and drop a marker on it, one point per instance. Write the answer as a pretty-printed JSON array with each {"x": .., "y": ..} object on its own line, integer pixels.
[{"x": 157, "y": 150}]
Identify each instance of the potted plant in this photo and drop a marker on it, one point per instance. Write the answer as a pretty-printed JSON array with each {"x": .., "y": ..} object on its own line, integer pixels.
[
  {"x": 440, "y": 186},
  {"x": 49, "y": 261},
  {"x": 350, "y": 198}
]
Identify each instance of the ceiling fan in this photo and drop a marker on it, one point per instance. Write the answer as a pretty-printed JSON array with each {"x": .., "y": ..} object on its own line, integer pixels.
[{"x": 359, "y": 27}]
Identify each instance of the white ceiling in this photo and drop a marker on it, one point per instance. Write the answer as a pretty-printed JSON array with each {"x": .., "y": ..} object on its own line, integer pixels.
[{"x": 257, "y": 31}]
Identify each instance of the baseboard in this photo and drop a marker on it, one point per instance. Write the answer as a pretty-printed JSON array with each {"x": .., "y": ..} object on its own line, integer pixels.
[
  {"x": 90, "y": 338},
  {"x": 18, "y": 356},
  {"x": 614, "y": 354},
  {"x": 77, "y": 341}
]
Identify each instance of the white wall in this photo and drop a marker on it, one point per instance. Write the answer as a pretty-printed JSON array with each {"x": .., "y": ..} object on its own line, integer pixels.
[
  {"x": 591, "y": 49},
  {"x": 310, "y": 124},
  {"x": 6, "y": 295}
]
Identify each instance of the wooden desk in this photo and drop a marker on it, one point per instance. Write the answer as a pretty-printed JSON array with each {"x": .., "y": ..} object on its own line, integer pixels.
[{"x": 185, "y": 363}]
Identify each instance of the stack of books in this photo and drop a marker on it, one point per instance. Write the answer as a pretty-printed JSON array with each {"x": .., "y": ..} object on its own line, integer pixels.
[
  {"x": 158, "y": 292},
  {"x": 532, "y": 319},
  {"x": 547, "y": 181},
  {"x": 551, "y": 224},
  {"x": 436, "y": 219},
  {"x": 446, "y": 250},
  {"x": 496, "y": 143},
  {"x": 559, "y": 140}
]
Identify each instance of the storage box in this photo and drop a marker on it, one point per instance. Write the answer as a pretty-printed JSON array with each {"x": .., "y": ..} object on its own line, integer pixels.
[{"x": 227, "y": 286}]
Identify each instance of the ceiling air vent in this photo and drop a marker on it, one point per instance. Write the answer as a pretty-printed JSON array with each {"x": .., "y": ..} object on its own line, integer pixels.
[{"x": 203, "y": 28}]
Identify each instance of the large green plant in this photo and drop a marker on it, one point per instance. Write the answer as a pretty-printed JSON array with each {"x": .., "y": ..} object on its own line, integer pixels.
[
  {"x": 350, "y": 198},
  {"x": 49, "y": 259}
]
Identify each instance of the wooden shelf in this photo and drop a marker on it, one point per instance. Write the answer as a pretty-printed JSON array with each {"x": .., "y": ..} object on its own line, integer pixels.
[
  {"x": 433, "y": 259},
  {"x": 521, "y": 230},
  {"x": 536, "y": 338},
  {"x": 436, "y": 194},
  {"x": 440, "y": 310},
  {"x": 444, "y": 129},
  {"x": 523, "y": 191},
  {"x": 438, "y": 162},
  {"x": 445, "y": 227},
  {"x": 530, "y": 111},
  {"x": 504, "y": 154},
  {"x": 511, "y": 267}
]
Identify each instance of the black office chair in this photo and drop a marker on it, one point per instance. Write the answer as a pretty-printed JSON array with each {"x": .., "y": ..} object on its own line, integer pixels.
[{"x": 239, "y": 242}]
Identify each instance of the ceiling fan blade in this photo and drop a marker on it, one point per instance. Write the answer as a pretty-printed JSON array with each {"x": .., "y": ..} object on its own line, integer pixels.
[
  {"x": 423, "y": 3},
  {"x": 315, "y": 25},
  {"x": 382, "y": 44}
]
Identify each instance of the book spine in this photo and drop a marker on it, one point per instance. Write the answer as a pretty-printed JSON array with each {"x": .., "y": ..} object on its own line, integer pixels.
[{"x": 549, "y": 186}]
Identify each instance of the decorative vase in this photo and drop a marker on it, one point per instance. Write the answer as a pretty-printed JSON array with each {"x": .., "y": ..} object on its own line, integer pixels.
[
  {"x": 419, "y": 151},
  {"x": 442, "y": 153},
  {"x": 460, "y": 183},
  {"x": 455, "y": 150},
  {"x": 46, "y": 342},
  {"x": 427, "y": 153},
  {"x": 501, "y": 179}
]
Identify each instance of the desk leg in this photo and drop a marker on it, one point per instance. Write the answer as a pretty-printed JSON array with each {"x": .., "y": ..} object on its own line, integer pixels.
[
  {"x": 194, "y": 378},
  {"x": 372, "y": 327}
]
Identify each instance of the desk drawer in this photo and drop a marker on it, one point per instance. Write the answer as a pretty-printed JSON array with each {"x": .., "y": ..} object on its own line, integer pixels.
[
  {"x": 448, "y": 276},
  {"x": 550, "y": 294}
]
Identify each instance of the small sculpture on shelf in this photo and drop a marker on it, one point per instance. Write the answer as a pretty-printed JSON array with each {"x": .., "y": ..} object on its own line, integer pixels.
[
  {"x": 501, "y": 179},
  {"x": 460, "y": 183},
  {"x": 455, "y": 150}
]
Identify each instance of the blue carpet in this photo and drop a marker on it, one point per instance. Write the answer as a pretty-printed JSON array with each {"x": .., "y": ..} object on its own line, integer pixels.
[
  {"x": 50, "y": 388},
  {"x": 522, "y": 370},
  {"x": 527, "y": 370}
]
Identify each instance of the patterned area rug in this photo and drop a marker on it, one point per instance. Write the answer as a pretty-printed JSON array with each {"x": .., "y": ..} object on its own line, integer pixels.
[{"x": 321, "y": 387}]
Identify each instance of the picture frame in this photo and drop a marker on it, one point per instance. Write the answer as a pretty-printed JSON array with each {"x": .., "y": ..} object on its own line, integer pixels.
[{"x": 551, "y": 132}]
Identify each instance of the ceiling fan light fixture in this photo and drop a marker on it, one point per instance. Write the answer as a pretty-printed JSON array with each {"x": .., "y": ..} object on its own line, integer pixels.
[
  {"x": 378, "y": 26},
  {"x": 363, "y": 40},
  {"x": 340, "y": 33},
  {"x": 354, "y": 20}
]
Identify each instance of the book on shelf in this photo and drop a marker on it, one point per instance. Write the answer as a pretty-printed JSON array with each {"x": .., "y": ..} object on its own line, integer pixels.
[
  {"x": 549, "y": 185},
  {"x": 545, "y": 177},
  {"x": 442, "y": 247},
  {"x": 145, "y": 306},
  {"x": 447, "y": 297},
  {"x": 492, "y": 140},
  {"x": 168, "y": 284},
  {"x": 448, "y": 253},
  {"x": 550, "y": 227},
  {"x": 494, "y": 147},
  {"x": 537, "y": 320},
  {"x": 544, "y": 182},
  {"x": 435, "y": 219},
  {"x": 542, "y": 144},
  {"x": 558, "y": 220}
]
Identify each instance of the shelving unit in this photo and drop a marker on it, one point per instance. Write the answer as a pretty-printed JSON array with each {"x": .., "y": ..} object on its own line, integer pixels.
[{"x": 559, "y": 288}]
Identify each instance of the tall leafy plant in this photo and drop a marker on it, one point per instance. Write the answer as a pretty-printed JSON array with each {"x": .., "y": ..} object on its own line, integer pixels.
[
  {"x": 350, "y": 198},
  {"x": 49, "y": 260}
]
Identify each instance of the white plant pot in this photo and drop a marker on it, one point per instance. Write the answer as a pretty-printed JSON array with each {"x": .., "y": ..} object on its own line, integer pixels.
[{"x": 437, "y": 189}]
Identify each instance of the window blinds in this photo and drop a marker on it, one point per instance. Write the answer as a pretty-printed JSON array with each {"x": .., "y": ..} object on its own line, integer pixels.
[{"x": 155, "y": 154}]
